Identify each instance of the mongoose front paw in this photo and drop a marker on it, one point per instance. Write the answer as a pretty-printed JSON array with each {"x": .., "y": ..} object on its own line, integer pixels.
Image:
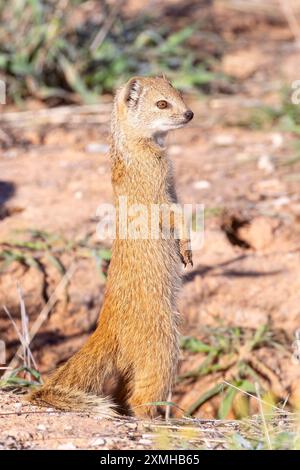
[{"x": 186, "y": 253}]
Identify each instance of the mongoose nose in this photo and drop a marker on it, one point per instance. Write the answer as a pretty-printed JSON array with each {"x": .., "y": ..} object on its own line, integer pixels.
[{"x": 189, "y": 115}]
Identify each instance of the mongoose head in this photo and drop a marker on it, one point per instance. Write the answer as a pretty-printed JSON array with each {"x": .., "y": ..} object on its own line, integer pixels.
[{"x": 150, "y": 107}]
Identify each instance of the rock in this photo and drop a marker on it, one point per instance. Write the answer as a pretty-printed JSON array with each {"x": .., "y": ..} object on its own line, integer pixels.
[
  {"x": 41, "y": 427},
  {"x": 101, "y": 170},
  {"x": 145, "y": 442},
  {"x": 132, "y": 426},
  {"x": 78, "y": 194},
  {"x": 202, "y": 184},
  {"x": 59, "y": 137},
  {"x": 249, "y": 317},
  {"x": 174, "y": 150},
  {"x": 242, "y": 64},
  {"x": 98, "y": 442},
  {"x": 277, "y": 140},
  {"x": 281, "y": 201},
  {"x": 147, "y": 436},
  {"x": 13, "y": 153},
  {"x": 259, "y": 233},
  {"x": 32, "y": 137},
  {"x": 269, "y": 187},
  {"x": 243, "y": 157},
  {"x": 224, "y": 139},
  {"x": 95, "y": 147},
  {"x": 265, "y": 163},
  {"x": 18, "y": 406},
  {"x": 67, "y": 446}
]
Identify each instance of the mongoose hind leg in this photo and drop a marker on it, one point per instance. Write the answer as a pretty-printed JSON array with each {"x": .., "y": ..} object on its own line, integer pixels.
[
  {"x": 143, "y": 401},
  {"x": 149, "y": 389}
]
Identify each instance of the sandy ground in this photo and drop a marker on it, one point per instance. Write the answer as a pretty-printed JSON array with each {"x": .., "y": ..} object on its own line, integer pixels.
[{"x": 26, "y": 427}]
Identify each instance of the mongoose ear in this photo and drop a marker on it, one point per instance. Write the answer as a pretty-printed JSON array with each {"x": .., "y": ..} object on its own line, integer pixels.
[
  {"x": 133, "y": 92},
  {"x": 164, "y": 77}
]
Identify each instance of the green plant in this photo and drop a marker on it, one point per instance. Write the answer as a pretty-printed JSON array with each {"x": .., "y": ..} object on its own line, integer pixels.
[
  {"x": 21, "y": 377},
  {"x": 247, "y": 434},
  {"x": 40, "y": 248},
  {"x": 26, "y": 375},
  {"x": 230, "y": 353},
  {"x": 285, "y": 116}
]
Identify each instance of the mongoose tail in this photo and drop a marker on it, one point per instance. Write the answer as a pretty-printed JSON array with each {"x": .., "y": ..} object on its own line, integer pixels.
[
  {"x": 78, "y": 384},
  {"x": 66, "y": 399}
]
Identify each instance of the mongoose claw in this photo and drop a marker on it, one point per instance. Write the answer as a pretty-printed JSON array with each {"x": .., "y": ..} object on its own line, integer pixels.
[
  {"x": 186, "y": 254},
  {"x": 187, "y": 258}
]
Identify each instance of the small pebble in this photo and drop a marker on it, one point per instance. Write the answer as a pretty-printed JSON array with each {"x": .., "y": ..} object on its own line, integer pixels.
[
  {"x": 202, "y": 184},
  {"x": 277, "y": 140},
  {"x": 266, "y": 164},
  {"x": 281, "y": 201},
  {"x": 224, "y": 139},
  {"x": 98, "y": 442},
  {"x": 174, "y": 150},
  {"x": 145, "y": 442},
  {"x": 41, "y": 427},
  {"x": 10, "y": 154},
  {"x": 67, "y": 446},
  {"x": 131, "y": 425},
  {"x": 95, "y": 147},
  {"x": 242, "y": 157},
  {"x": 78, "y": 195},
  {"x": 147, "y": 436}
]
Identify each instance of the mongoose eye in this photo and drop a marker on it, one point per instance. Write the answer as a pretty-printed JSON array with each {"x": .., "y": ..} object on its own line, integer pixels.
[{"x": 162, "y": 104}]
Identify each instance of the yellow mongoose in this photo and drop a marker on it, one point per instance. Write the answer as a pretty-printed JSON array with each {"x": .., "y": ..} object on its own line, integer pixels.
[{"x": 136, "y": 338}]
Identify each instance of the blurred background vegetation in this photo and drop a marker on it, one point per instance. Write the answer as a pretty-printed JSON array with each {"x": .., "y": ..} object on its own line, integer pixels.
[{"x": 74, "y": 50}]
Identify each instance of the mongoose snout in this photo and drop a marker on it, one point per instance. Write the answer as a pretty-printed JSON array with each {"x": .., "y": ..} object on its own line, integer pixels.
[{"x": 189, "y": 115}]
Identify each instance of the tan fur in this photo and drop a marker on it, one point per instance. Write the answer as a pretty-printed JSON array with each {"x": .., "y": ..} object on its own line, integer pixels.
[{"x": 136, "y": 339}]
